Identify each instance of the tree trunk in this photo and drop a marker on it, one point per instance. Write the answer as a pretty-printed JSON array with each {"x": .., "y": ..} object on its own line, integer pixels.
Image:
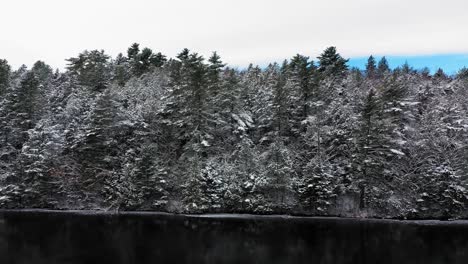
[{"x": 362, "y": 197}]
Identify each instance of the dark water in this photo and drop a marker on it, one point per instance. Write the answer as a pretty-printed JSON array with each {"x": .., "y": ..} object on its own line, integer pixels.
[{"x": 74, "y": 238}]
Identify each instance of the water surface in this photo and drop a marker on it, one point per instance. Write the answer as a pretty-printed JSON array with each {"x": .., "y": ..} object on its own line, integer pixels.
[{"x": 50, "y": 237}]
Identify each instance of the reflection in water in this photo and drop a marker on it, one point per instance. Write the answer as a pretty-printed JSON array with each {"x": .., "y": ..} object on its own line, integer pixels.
[{"x": 74, "y": 238}]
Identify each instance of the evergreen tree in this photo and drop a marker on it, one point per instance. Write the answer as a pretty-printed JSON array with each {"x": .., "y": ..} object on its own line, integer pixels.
[
  {"x": 370, "y": 159},
  {"x": 5, "y": 72},
  {"x": 189, "y": 98},
  {"x": 99, "y": 149},
  {"x": 382, "y": 67},
  {"x": 230, "y": 121},
  {"x": 39, "y": 160},
  {"x": 121, "y": 70},
  {"x": 443, "y": 192},
  {"x": 42, "y": 71},
  {"x": 133, "y": 51},
  {"x": 215, "y": 67},
  {"x": 142, "y": 62},
  {"x": 281, "y": 103},
  {"x": 91, "y": 69},
  {"x": 331, "y": 63},
  {"x": 189, "y": 135},
  {"x": 205, "y": 191},
  {"x": 303, "y": 76},
  {"x": 250, "y": 178},
  {"x": 316, "y": 187},
  {"x": 158, "y": 59},
  {"x": 214, "y": 93},
  {"x": 463, "y": 74},
  {"x": 151, "y": 177},
  {"x": 440, "y": 74},
  {"x": 280, "y": 168},
  {"x": 371, "y": 68},
  {"x": 21, "y": 110},
  {"x": 406, "y": 68},
  {"x": 357, "y": 75},
  {"x": 425, "y": 72}
]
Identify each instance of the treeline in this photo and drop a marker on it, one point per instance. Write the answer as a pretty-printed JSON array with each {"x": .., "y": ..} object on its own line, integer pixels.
[{"x": 145, "y": 132}]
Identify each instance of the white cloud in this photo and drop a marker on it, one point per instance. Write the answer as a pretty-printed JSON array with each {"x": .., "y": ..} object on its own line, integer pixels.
[{"x": 242, "y": 31}]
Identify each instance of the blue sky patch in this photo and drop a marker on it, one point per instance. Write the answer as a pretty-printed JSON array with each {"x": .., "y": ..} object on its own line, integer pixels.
[{"x": 450, "y": 63}]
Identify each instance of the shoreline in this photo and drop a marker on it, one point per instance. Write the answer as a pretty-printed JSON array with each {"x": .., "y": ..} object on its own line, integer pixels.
[{"x": 233, "y": 216}]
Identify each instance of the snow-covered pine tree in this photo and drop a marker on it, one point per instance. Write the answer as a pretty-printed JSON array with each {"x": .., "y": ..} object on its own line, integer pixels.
[
  {"x": 331, "y": 63},
  {"x": 316, "y": 188},
  {"x": 99, "y": 147},
  {"x": 302, "y": 74},
  {"x": 5, "y": 72},
  {"x": 371, "y": 68},
  {"x": 120, "y": 70},
  {"x": 92, "y": 69},
  {"x": 382, "y": 67},
  {"x": 186, "y": 112}
]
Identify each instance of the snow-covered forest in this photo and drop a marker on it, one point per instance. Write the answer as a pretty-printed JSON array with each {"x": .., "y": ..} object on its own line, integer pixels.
[{"x": 192, "y": 135}]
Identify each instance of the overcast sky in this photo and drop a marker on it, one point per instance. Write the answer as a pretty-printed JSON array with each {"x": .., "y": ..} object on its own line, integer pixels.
[{"x": 242, "y": 31}]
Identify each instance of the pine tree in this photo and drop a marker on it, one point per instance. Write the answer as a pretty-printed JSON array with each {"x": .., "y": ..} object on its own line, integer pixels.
[
  {"x": 443, "y": 192},
  {"x": 280, "y": 168},
  {"x": 425, "y": 72},
  {"x": 19, "y": 114},
  {"x": 21, "y": 110},
  {"x": 205, "y": 191},
  {"x": 463, "y": 74},
  {"x": 39, "y": 159},
  {"x": 256, "y": 99},
  {"x": 386, "y": 120},
  {"x": 133, "y": 51},
  {"x": 250, "y": 181},
  {"x": 158, "y": 60},
  {"x": 187, "y": 110},
  {"x": 152, "y": 177},
  {"x": 357, "y": 75},
  {"x": 230, "y": 121},
  {"x": 189, "y": 135},
  {"x": 303, "y": 76},
  {"x": 216, "y": 94},
  {"x": 406, "y": 68},
  {"x": 316, "y": 187},
  {"x": 5, "y": 72},
  {"x": 99, "y": 148},
  {"x": 42, "y": 71},
  {"x": 91, "y": 69},
  {"x": 371, "y": 68},
  {"x": 440, "y": 74},
  {"x": 215, "y": 67},
  {"x": 143, "y": 61},
  {"x": 281, "y": 103},
  {"x": 121, "y": 70},
  {"x": 331, "y": 63},
  {"x": 382, "y": 67},
  {"x": 143, "y": 181},
  {"x": 370, "y": 158}
]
